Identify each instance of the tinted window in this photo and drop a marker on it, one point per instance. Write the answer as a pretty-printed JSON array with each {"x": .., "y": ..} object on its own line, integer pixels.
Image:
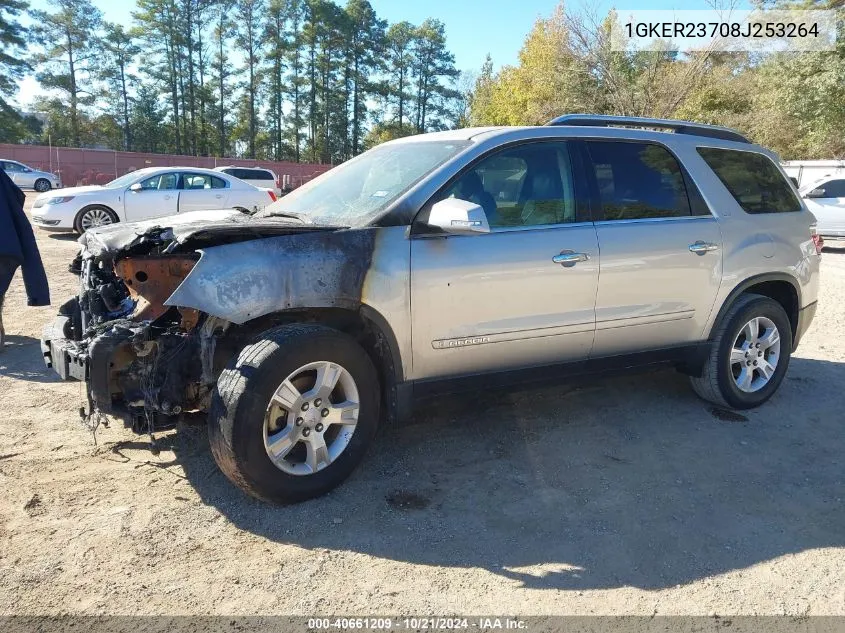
[
  {"x": 256, "y": 174},
  {"x": 202, "y": 181},
  {"x": 249, "y": 174},
  {"x": 834, "y": 189},
  {"x": 753, "y": 180},
  {"x": 637, "y": 180},
  {"x": 529, "y": 185}
]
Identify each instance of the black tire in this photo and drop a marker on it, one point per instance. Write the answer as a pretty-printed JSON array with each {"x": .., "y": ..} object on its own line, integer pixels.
[
  {"x": 239, "y": 403},
  {"x": 716, "y": 383},
  {"x": 41, "y": 185},
  {"x": 77, "y": 222}
]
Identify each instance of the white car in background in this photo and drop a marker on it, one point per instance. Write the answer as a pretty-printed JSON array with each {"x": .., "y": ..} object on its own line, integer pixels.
[
  {"x": 825, "y": 199},
  {"x": 147, "y": 193},
  {"x": 256, "y": 176}
]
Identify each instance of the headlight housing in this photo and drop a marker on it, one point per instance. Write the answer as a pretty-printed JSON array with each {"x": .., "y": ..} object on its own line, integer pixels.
[{"x": 58, "y": 200}]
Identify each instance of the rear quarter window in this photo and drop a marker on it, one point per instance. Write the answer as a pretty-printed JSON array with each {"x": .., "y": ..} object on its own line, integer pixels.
[{"x": 752, "y": 179}]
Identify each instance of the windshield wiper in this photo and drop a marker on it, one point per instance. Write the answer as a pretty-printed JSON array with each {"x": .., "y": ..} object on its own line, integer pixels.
[{"x": 282, "y": 214}]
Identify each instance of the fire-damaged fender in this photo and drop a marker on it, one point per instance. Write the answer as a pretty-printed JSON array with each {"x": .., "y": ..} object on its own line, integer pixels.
[{"x": 246, "y": 280}]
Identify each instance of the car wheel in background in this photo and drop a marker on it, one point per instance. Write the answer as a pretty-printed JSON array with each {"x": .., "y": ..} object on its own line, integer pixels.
[
  {"x": 42, "y": 185},
  {"x": 749, "y": 356},
  {"x": 92, "y": 217}
]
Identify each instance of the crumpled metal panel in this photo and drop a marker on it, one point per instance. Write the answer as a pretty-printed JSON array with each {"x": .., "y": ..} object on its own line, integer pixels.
[
  {"x": 151, "y": 280},
  {"x": 243, "y": 281},
  {"x": 114, "y": 238}
]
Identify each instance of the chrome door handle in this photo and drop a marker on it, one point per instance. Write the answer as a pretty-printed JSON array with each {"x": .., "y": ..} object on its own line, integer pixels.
[
  {"x": 570, "y": 258},
  {"x": 699, "y": 247},
  {"x": 218, "y": 196}
]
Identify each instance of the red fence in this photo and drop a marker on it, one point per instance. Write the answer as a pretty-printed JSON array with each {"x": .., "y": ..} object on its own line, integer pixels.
[{"x": 98, "y": 166}]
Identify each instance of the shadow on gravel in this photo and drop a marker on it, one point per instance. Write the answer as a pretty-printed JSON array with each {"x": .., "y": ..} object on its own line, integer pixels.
[
  {"x": 63, "y": 237},
  {"x": 21, "y": 359},
  {"x": 627, "y": 482}
]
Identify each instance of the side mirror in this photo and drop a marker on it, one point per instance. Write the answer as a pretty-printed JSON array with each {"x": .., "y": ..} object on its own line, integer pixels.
[
  {"x": 818, "y": 192},
  {"x": 136, "y": 187},
  {"x": 458, "y": 217}
]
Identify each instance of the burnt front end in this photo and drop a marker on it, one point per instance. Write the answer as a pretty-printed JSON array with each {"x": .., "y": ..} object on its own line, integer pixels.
[
  {"x": 140, "y": 360},
  {"x": 162, "y": 309}
]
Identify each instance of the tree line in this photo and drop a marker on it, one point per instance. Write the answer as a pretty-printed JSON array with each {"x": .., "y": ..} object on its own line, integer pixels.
[
  {"x": 301, "y": 80},
  {"x": 793, "y": 103}
]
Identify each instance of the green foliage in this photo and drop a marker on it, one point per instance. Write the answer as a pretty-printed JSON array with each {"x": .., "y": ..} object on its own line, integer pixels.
[
  {"x": 791, "y": 102},
  {"x": 12, "y": 64},
  {"x": 68, "y": 54}
]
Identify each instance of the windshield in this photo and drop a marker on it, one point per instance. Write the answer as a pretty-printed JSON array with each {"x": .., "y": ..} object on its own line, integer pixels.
[
  {"x": 359, "y": 189},
  {"x": 123, "y": 181}
]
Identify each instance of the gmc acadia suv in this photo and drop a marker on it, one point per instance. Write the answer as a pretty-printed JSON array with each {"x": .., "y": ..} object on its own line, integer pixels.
[{"x": 476, "y": 257}]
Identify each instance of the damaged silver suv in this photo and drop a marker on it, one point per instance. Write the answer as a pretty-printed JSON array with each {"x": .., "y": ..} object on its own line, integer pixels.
[{"x": 472, "y": 258}]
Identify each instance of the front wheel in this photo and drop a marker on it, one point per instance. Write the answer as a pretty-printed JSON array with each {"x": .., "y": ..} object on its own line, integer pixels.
[
  {"x": 92, "y": 217},
  {"x": 750, "y": 354},
  {"x": 294, "y": 413},
  {"x": 41, "y": 185}
]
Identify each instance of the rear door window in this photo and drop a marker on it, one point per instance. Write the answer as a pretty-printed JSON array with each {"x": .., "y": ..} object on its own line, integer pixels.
[
  {"x": 752, "y": 179},
  {"x": 637, "y": 181},
  {"x": 202, "y": 181}
]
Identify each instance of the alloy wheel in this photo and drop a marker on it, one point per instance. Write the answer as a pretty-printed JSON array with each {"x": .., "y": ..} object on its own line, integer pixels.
[
  {"x": 755, "y": 354},
  {"x": 311, "y": 418},
  {"x": 95, "y": 217}
]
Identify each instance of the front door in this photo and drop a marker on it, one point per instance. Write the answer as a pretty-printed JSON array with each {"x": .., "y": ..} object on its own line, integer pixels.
[
  {"x": 158, "y": 197},
  {"x": 523, "y": 294},
  {"x": 661, "y": 259}
]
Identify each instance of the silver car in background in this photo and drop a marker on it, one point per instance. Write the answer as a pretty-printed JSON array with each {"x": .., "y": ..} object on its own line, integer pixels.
[{"x": 27, "y": 177}]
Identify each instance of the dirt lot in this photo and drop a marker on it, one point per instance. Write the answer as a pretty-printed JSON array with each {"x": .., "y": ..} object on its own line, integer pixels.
[{"x": 625, "y": 496}]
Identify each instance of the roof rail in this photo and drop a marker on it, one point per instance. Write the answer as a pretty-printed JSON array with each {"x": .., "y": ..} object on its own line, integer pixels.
[{"x": 679, "y": 127}]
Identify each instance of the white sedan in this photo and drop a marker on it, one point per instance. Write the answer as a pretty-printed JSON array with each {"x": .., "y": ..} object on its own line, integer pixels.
[
  {"x": 144, "y": 194},
  {"x": 825, "y": 198}
]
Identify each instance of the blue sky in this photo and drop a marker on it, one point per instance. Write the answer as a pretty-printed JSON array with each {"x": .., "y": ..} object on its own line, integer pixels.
[{"x": 473, "y": 27}]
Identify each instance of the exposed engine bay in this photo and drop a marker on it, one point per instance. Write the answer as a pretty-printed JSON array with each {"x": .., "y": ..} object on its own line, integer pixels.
[{"x": 146, "y": 359}]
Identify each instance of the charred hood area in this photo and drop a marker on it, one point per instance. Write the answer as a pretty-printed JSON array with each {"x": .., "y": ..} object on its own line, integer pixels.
[{"x": 147, "y": 361}]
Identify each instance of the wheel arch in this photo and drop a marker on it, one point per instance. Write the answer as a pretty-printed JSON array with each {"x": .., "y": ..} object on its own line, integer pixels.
[
  {"x": 366, "y": 325},
  {"x": 779, "y": 287},
  {"x": 93, "y": 205}
]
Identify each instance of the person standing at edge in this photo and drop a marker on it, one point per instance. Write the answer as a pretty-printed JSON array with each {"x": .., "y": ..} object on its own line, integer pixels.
[{"x": 18, "y": 248}]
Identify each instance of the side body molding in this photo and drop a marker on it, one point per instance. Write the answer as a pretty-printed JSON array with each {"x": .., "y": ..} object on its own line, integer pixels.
[{"x": 243, "y": 281}]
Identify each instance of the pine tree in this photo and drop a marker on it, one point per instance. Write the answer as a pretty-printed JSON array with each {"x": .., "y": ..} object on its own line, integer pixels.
[{"x": 68, "y": 37}]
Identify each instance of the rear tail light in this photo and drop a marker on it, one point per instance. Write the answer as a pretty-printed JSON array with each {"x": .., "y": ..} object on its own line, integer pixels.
[
  {"x": 272, "y": 195},
  {"x": 818, "y": 240}
]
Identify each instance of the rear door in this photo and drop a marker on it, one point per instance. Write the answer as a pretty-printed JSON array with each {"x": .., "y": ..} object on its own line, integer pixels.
[
  {"x": 200, "y": 192},
  {"x": 661, "y": 260},
  {"x": 829, "y": 209},
  {"x": 500, "y": 300},
  {"x": 158, "y": 196}
]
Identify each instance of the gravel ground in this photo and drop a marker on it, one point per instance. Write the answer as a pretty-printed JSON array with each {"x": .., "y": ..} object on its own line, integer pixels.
[{"x": 625, "y": 496}]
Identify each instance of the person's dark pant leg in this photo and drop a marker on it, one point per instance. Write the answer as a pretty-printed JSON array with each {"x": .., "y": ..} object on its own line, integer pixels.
[{"x": 8, "y": 266}]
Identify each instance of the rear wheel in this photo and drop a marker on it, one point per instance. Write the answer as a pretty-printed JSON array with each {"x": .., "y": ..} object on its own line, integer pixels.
[
  {"x": 92, "y": 217},
  {"x": 41, "y": 185},
  {"x": 750, "y": 354},
  {"x": 294, "y": 413}
]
